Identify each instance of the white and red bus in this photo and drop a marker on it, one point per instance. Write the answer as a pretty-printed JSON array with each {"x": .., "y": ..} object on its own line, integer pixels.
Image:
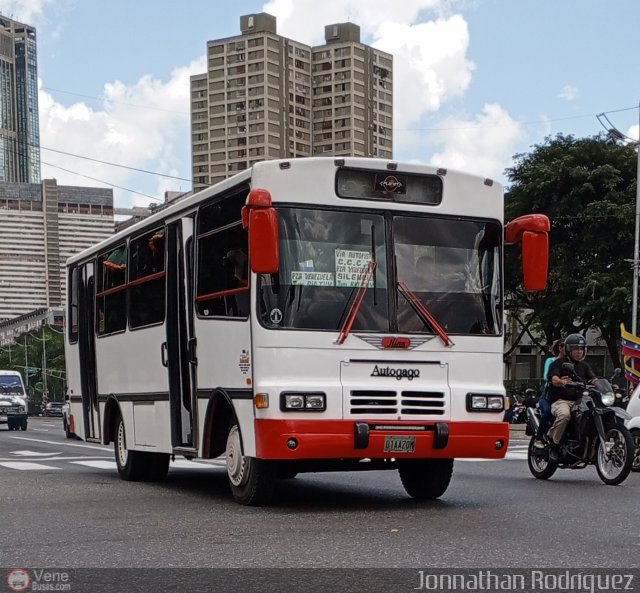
[{"x": 312, "y": 314}]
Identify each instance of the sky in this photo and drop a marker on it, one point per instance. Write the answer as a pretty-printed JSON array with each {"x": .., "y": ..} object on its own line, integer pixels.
[{"x": 475, "y": 81}]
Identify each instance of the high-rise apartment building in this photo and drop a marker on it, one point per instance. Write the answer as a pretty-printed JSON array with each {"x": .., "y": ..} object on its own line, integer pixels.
[
  {"x": 19, "y": 123},
  {"x": 41, "y": 225},
  {"x": 265, "y": 96}
]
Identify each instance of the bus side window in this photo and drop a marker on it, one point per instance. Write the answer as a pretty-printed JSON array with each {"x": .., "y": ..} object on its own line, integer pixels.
[
  {"x": 73, "y": 305},
  {"x": 222, "y": 288},
  {"x": 147, "y": 279},
  {"x": 222, "y": 265},
  {"x": 111, "y": 301}
]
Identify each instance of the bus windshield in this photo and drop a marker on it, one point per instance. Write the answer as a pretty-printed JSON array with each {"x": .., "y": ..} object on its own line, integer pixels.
[{"x": 452, "y": 266}]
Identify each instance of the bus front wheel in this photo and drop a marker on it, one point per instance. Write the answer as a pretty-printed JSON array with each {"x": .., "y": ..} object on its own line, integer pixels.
[
  {"x": 425, "y": 479},
  {"x": 252, "y": 480}
]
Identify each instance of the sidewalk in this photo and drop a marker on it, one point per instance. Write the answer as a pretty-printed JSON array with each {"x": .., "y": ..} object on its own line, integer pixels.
[{"x": 516, "y": 431}]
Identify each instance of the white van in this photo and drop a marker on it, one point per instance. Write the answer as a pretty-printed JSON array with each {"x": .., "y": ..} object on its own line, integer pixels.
[{"x": 13, "y": 401}]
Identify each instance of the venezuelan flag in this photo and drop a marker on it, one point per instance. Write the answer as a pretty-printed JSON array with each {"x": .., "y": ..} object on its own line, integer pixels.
[{"x": 630, "y": 354}]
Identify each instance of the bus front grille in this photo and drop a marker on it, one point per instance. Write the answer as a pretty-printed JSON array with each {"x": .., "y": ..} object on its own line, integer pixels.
[{"x": 383, "y": 402}]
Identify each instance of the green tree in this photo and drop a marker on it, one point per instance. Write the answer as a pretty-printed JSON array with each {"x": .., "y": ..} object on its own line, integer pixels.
[
  {"x": 30, "y": 364},
  {"x": 587, "y": 187}
]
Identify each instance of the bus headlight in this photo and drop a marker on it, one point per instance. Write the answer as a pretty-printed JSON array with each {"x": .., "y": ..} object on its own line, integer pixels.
[
  {"x": 480, "y": 402},
  {"x": 303, "y": 402}
]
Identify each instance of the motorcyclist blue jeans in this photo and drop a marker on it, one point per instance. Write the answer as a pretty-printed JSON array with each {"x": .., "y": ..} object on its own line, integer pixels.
[{"x": 546, "y": 417}]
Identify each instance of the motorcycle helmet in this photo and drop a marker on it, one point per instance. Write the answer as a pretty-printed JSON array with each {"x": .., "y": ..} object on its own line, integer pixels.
[{"x": 572, "y": 343}]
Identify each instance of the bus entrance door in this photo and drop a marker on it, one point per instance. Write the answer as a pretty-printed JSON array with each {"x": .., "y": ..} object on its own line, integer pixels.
[
  {"x": 180, "y": 356},
  {"x": 87, "y": 342}
]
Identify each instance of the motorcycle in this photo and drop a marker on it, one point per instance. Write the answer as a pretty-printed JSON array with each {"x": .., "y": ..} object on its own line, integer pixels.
[
  {"x": 517, "y": 412},
  {"x": 596, "y": 435}
]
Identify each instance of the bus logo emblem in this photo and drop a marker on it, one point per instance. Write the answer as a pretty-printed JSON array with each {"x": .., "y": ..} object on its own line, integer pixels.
[
  {"x": 399, "y": 343},
  {"x": 391, "y": 184}
]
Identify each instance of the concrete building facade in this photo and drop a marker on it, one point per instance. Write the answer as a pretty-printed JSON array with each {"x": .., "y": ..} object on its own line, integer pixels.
[
  {"x": 19, "y": 123},
  {"x": 41, "y": 225},
  {"x": 266, "y": 97}
]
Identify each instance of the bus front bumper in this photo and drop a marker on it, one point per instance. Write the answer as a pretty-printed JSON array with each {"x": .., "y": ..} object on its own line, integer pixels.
[{"x": 359, "y": 439}]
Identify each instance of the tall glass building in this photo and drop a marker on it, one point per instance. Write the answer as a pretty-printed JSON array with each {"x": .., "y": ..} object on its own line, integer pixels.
[{"x": 19, "y": 124}]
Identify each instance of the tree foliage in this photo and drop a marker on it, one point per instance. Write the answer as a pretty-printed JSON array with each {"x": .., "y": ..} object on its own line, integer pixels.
[
  {"x": 587, "y": 187},
  {"x": 26, "y": 356}
]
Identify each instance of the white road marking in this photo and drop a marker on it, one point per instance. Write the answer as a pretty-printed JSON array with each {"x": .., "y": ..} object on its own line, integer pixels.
[
  {"x": 26, "y": 465},
  {"x": 178, "y": 464},
  {"x": 58, "y": 443},
  {"x": 63, "y": 458},
  {"x": 33, "y": 453},
  {"x": 40, "y": 429}
]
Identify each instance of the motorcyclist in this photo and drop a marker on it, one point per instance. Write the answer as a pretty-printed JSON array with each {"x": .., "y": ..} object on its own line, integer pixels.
[{"x": 562, "y": 393}]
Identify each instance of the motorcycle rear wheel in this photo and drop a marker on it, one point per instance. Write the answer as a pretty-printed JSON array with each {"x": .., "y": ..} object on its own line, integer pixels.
[
  {"x": 614, "y": 468},
  {"x": 539, "y": 465}
]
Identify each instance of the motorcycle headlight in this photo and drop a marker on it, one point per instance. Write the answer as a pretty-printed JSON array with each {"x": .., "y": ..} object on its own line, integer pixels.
[{"x": 608, "y": 399}]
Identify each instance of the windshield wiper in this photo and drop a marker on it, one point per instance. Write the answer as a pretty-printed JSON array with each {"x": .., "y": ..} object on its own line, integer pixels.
[
  {"x": 422, "y": 312},
  {"x": 356, "y": 304}
]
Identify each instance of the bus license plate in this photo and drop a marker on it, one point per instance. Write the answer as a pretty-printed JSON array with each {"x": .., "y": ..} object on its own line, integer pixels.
[{"x": 400, "y": 444}]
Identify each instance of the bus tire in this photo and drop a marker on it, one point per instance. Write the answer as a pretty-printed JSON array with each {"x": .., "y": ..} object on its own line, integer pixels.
[
  {"x": 132, "y": 465},
  {"x": 425, "y": 479},
  {"x": 252, "y": 481},
  {"x": 23, "y": 424}
]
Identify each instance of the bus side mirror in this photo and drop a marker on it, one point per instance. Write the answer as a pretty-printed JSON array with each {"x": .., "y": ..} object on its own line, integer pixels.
[
  {"x": 264, "y": 240},
  {"x": 532, "y": 231}
]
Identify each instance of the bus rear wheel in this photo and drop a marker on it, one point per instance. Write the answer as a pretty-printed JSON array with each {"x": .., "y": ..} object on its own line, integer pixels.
[
  {"x": 137, "y": 466},
  {"x": 425, "y": 479},
  {"x": 252, "y": 480}
]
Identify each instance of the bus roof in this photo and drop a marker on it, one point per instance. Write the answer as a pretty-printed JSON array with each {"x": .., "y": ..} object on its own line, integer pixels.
[{"x": 311, "y": 174}]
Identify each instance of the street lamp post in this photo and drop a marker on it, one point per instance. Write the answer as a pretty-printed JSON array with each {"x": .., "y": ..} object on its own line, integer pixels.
[
  {"x": 618, "y": 135},
  {"x": 636, "y": 244}
]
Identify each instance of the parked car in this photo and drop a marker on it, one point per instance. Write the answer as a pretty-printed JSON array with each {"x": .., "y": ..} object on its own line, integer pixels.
[{"x": 54, "y": 409}]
